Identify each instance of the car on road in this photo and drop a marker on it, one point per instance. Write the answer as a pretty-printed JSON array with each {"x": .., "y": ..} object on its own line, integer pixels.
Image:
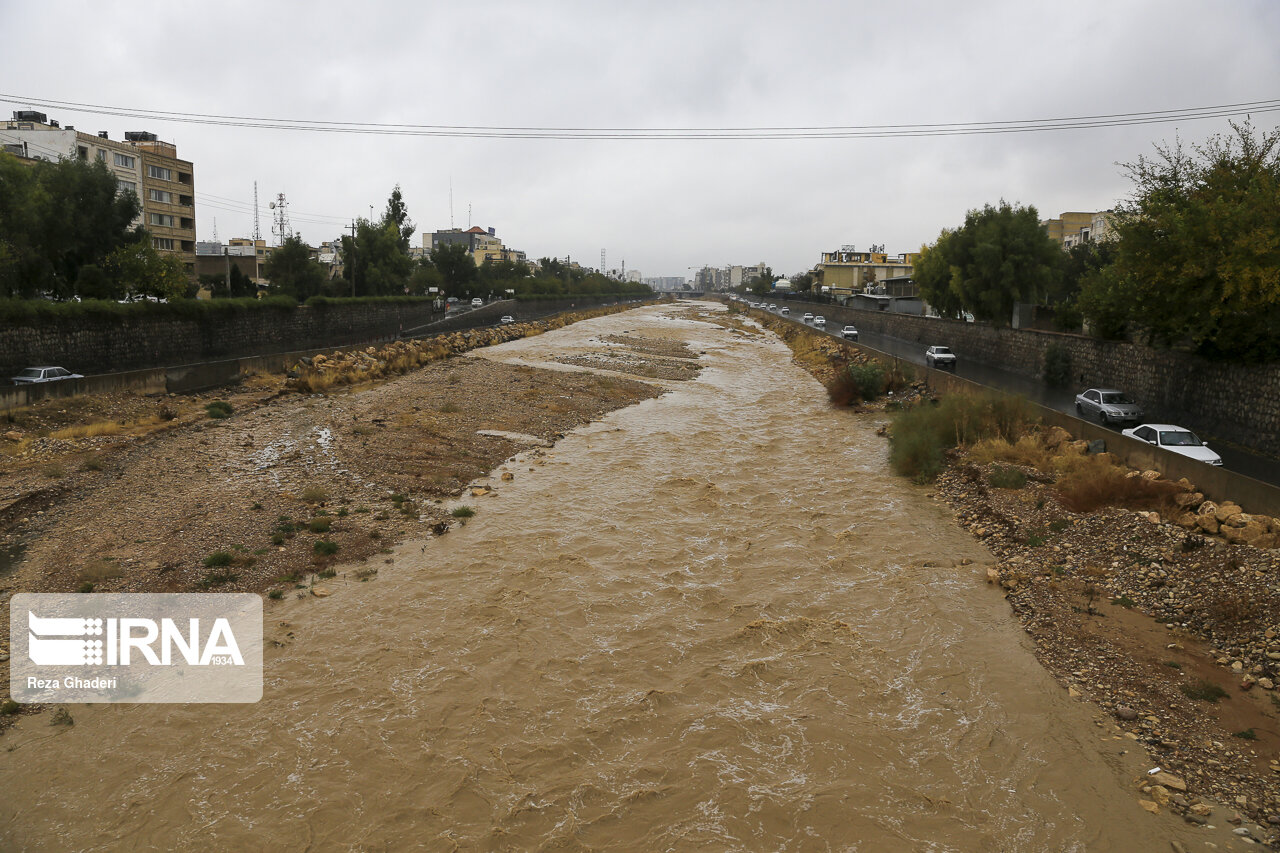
[
  {"x": 784, "y": 310},
  {"x": 820, "y": 322},
  {"x": 773, "y": 306},
  {"x": 33, "y": 375},
  {"x": 940, "y": 357},
  {"x": 1107, "y": 405},
  {"x": 807, "y": 318},
  {"x": 477, "y": 302},
  {"x": 1175, "y": 439},
  {"x": 849, "y": 333},
  {"x": 507, "y": 320}
]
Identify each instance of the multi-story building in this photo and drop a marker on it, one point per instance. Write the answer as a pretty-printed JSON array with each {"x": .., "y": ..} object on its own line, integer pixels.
[
  {"x": 1074, "y": 227},
  {"x": 168, "y": 197},
  {"x": 141, "y": 163},
  {"x": 848, "y": 271}
]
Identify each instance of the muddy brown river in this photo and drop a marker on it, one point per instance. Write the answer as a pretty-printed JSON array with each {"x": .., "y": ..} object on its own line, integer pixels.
[{"x": 710, "y": 621}]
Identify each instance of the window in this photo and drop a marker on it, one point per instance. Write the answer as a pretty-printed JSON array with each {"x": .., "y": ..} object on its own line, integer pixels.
[
  {"x": 186, "y": 201},
  {"x": 164, "y": 219},
  {"x": 82, "y": 152},
  {"x": 102, "y": 155},
  {"x": 184, "y": 178},
  {"x": 125, "y": 160},
  {"x": 159, "y": 172},
  {"x": 161, "y": 196},
  {"x": 130, "y": 186},
  {"x": 189, "y": 224},
  {"x": 162, "y": 243}
]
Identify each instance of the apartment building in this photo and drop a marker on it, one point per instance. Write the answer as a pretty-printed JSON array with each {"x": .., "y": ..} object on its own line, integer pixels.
[
  {"x": 141, "y": 163},
  {"x": 482, "y": 244}
]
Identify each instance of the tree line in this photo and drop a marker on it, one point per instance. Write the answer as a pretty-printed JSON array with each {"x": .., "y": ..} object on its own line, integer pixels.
[
  {"x": 67, "y": 232},
  {"x": 1193, "y": 261},
  {"x": 377, "y": 262}
]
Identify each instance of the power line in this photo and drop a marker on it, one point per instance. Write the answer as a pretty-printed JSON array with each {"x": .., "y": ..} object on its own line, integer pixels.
[{"x": 677, "y": 133}]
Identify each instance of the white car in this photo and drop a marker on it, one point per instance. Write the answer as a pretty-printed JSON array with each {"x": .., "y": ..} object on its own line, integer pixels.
[
  {"x": 820, "y": 322},
  {"x": 784, "y": 310},
  {"x": 507, "y": 320},
  {"x": 940, "y": 357},
  {"x": 849, "y": 333},
  {"x": 1175, "y": 439},
  {"x": 32, "y": 375},
  {"x": 807, "y": 318},
  {"x": 773, "y": 307}
]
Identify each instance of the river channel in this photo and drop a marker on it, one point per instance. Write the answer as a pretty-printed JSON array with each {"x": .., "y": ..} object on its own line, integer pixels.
[{"x": 713, "y": 620}]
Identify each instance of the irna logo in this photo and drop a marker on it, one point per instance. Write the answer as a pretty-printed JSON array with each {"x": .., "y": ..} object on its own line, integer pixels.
[{"x": 62, "y": 641}]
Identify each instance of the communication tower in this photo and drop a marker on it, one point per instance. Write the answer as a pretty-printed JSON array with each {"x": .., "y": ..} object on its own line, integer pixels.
[
  {"x": 257, "y": 232},
  {"x": 281, "y": 229}
]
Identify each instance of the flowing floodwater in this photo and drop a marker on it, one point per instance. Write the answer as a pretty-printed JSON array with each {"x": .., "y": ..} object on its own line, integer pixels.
[{"x": 710, "y": 621}]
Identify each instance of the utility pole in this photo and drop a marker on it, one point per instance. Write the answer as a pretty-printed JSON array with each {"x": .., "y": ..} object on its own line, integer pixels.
[{"x": 353, "y": 259}]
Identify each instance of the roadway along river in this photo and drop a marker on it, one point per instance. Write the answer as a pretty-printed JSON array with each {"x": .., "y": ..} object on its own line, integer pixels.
[{"x": 711, "y": 621}]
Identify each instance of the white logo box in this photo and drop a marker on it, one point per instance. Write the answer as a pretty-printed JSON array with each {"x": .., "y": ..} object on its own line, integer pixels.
[{"x": 135, "y": 647}]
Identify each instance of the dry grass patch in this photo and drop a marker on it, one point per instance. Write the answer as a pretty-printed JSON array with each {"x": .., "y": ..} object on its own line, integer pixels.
[
  {"x": 1027, "y": 450},
  {"x": 1092, "y": 482}
]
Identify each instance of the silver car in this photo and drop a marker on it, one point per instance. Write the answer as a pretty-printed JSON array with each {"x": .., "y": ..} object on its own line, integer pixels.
[
  {"x": 1107, "y": 405},
  {"x": 32, "y": 375}
]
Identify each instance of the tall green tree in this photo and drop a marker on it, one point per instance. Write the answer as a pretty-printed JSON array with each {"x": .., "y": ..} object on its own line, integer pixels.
[
  {"x": 139, "y": 270},
  {"x": 999, "y": 257},
  {"x": 55, "y": 219},
  {"x": 1198, "y": 251},
  {"x": 377, "y": 258},
  {"x": 457, "y": 268},
  {"x": 293, "y": 272}
]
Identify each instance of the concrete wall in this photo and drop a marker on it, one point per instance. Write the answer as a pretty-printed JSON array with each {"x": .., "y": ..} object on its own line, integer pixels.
[{"x": 1238, "y": 403}]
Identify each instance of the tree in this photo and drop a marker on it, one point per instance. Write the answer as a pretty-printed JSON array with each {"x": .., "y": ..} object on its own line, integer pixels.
[
  {"x": 999, "y": 257},
  {"x": 55, "y": 219},
  {"x": 457, "y": 268},
  {"x": 139, "y": 270},
  {"x": 763, "y": 283},
  {"x": 1198, "y": 251},
  {"x": 292, "y": 271},
  {"x": 377, "y": 258},
  {"x": 932, "y": 273},
  {"x": 802, "y": 282}
]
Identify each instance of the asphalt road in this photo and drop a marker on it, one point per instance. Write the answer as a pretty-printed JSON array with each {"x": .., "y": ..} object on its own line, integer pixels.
[{"x": 1239, "y": 459}]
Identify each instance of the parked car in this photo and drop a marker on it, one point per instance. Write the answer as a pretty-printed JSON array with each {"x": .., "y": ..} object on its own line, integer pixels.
[
  {"x": 807, "y": 318},
  {"x": 1176, "y": 439},
  {"x": 820, "y": 322},
  {"x": 940, "y": 357},
  {"x": 477, "y": 302},
  {"x": 507, "y": 319},
  {"x": 1107, "y": 405},
  {"x": 32, "y": 375},
  {"x": 849, "y": 333}
]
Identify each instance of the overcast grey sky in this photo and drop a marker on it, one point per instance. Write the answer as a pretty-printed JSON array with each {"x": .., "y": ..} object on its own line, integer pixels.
[{"x": 662, "y": 205}]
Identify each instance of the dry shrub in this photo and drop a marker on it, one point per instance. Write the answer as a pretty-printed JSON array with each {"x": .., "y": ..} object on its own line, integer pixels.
[
  {"x": 1092, "y": 482},
  {"x": 89, "y": 430},
  {"x": 1025, "y": 451},
  {"x": 1232, "y": 609},
  {"x": 100, "y": 569}
]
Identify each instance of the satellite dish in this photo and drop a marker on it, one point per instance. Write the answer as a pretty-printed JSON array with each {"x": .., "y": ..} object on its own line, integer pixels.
[{"x": 272, "y": 205}]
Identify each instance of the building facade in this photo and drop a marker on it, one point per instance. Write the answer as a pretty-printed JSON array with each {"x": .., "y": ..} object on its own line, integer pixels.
[
  {"x": 1074, "y": 227},
  {"x": 848, "y": 271}
]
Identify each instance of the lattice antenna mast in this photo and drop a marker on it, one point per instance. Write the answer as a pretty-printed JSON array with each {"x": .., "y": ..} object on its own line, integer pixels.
[
  {"x": 257, "y": 231},
  {"x": 281, "y": 229}
]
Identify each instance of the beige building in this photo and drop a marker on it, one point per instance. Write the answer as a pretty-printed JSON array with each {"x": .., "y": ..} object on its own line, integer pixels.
[
  {"x": 1074, "y": 227},
  {"x": 848, "y": 271}
]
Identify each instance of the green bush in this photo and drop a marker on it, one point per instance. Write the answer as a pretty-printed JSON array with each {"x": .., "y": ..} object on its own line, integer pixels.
[
  {"x": 463, "y": 512},
  {"x": 320, "y": 525},
  {"x": 325, "y": 548},
  {"x": 921, "y": 436},
  {"x": 218, "y": 409},
  {"x": 218, "y": 559},
  {"x": 1057, "y": 365},
  {"x": 1006, "y": 477}
]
